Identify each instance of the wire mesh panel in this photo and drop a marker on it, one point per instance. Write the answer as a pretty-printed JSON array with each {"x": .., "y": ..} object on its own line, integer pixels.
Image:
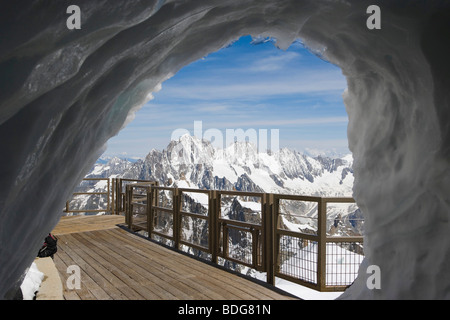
[
  {"x": 318, "y": 240},
  {"x": 297, "y": 258},
  {"x": 342, "y": 262}
]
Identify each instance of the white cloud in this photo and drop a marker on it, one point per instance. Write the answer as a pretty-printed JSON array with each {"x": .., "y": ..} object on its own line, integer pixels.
[
  {"x": 212, "y": 108},
  {"x": 306, "y": 82},
  {"x": 273, "y": 62},
  {"x": 273, "y": 123}
]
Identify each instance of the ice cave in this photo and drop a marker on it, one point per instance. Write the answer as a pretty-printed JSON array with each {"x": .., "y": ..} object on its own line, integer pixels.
[{"x": 67, "y": 86}]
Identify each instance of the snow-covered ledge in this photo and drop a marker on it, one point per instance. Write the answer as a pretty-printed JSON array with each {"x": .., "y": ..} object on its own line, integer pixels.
[
  {"x": 65, "y": 92},
  {"x": 31, "y": 283},
  {"x": 41, "y": 281}
]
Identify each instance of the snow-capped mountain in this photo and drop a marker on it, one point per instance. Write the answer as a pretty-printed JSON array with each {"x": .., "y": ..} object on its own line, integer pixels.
[
  {"x": 109, "y": 169},
  {"x": 193, "y": 163}
]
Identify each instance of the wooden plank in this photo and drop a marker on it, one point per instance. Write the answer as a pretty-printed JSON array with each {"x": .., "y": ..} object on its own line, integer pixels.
[
  {"x": 197, "y": 270},
  {"x": 116, "y": 276},
  {"x": 71, "y": 224},
  {"x": 61, "y": 266},
  {"x": 178, "y": 274},
  {"x": 148, "y": 265},
  {"x": 218, "y": 279},
  {"x": 100, "y": 268},
  {"x": 201, "y": 280},
  {"x": 117, "y": 264},
  {"x": 171, "y": 282},
  {"x": 97, "y": 273},
  {"x": 153, "y": 281},
  {"x": 79, "y": 294},
  {"x": 91, "y": 284}
]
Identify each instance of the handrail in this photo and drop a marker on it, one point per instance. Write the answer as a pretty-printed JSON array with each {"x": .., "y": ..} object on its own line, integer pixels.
[
  {"x": 267, "y": 238},
  {"x": 106, "y": 194},
  {"x": 303, "y": 256}
]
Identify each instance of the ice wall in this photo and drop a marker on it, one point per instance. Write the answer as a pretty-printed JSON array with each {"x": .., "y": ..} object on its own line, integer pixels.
[{"x": 64, "y": 93}]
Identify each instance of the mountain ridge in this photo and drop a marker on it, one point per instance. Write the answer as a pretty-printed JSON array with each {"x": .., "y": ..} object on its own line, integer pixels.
[{"x": 193, "y": 163}]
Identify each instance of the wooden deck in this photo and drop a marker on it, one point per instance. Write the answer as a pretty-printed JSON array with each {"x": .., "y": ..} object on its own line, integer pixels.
[
  {"x": 73, "y": 224},
  {"x": 117, "y": 264}
]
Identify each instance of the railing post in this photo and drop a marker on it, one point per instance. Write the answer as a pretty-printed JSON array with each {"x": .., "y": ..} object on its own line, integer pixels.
[
  {"x": 322, "y": 245},
  {"x": 176, "y": 203},
  {"x": 149, "y": 210},
  {"x": 109, "y": 207},
  {"x": 269, "y": 233},
  {"x": 154, "y": 202},
  {"x": 213, "y": 225},
  {"x": 119, "y": 201},
  {"x": 128, "y": 194},
  {"x": 111, "y": 196},
  {"x": 118, "y": 197}
]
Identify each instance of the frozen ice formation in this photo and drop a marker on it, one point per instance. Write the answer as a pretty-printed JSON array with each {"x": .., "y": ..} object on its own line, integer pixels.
[{"x": 65, "y": 92}]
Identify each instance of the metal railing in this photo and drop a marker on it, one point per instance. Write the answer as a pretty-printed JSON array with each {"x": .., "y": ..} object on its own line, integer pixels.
[
  {"x": 284, "y": 236},
  {"x": 321, "y": 261},
  {"x": 118, "y": 199},
  {"x": 111, "y": 192},
  {"x": 92, "y": 196},
  {"x": 250, "y": 229}
]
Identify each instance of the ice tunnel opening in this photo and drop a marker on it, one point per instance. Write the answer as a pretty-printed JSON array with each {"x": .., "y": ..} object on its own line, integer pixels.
[
  {"x": 252, "y": 85},
  {"x": 397, "y": 103}
]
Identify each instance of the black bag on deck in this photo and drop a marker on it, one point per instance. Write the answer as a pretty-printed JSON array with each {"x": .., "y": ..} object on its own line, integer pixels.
[{"x": 49, "y": 248}]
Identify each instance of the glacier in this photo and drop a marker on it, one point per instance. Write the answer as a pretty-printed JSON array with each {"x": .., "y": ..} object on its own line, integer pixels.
[{"x": 64, "y": 93}]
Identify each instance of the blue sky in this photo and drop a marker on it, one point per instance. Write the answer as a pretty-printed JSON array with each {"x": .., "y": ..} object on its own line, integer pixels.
[{"x": 246, "y": 86}]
